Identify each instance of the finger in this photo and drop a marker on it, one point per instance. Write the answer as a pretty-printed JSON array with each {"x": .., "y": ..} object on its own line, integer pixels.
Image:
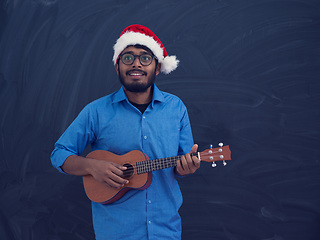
[
  {"x": 196, "y": 161},
  {"x": 121, "y": 167},
  {"x": 192, "y": 163},
  {"x": 117, "y": 168},
  {"x": 194, "y": 166},
  {"x": 184, "y": 163},
  {"x": 117, "y": 171},
  {"x": 116, "y": 181},
  {"x": 189, "y": 159},
  {"x": 179, "y": 167},
  {"x": 113, "y": 184},
  {"x": 115, "y": 174}
]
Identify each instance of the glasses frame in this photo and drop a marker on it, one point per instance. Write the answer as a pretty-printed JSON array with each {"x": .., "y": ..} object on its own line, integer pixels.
[{"x": 139, "y": 57}]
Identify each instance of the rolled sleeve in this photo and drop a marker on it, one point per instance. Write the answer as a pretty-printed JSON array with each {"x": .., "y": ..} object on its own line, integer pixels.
[
  {"x": 74, "y": 140},
  {"x": 59, "y": 156}
]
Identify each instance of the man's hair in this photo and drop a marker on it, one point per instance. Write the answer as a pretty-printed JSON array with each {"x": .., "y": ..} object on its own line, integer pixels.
[{"x": 142, "y": 47}]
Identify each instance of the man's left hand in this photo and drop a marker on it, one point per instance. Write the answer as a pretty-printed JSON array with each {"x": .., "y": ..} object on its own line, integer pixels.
[{"x": 187, "y": 164}]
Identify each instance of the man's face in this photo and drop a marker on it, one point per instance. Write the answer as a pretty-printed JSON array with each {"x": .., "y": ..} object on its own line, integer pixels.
[{"x": 136, "y": 77}]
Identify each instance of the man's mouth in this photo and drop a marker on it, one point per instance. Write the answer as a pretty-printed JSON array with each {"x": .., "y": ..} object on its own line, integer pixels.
[{"x": 136, "y": 73}]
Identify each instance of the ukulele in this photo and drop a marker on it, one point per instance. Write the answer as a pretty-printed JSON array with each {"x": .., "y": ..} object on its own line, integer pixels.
[{"x": 139, "y": 170}]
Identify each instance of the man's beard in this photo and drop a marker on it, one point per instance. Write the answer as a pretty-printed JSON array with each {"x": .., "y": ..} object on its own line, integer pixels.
[{"x": 136, "y": 86}]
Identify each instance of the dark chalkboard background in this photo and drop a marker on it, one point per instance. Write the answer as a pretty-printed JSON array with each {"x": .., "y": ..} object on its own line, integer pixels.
[{"x": 249, "y": 75}]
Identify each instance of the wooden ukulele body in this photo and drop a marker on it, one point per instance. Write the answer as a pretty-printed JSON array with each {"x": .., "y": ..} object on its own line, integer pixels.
[{"x": 102, "y": 192}]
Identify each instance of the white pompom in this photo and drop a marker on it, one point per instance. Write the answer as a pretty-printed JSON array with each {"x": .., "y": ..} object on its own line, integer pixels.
[{"x": 168, "y": 64}]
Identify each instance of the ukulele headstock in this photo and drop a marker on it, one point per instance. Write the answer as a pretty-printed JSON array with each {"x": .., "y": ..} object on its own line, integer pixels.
[{"x": 222, "y": 153}]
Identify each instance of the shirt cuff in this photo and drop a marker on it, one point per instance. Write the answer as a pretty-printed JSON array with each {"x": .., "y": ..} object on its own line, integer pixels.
[{"x": 58, "y": 158}]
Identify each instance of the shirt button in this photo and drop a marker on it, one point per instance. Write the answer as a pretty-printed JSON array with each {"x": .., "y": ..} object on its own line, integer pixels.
[
  {"x": 149, "y": 201},
  {"x": 145, "y": 137},
  {"x": 149, "y": 222},
  {"x": 144, "y": 117}
]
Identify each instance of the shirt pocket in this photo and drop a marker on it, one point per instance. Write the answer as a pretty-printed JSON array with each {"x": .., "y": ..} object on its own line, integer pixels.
[{"x": 167, "y": 133}]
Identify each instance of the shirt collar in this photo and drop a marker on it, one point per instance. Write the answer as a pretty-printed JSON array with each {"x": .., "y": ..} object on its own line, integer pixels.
[
  {"x": 121, "y": 96},
  {"x": 157, "y": 94}
]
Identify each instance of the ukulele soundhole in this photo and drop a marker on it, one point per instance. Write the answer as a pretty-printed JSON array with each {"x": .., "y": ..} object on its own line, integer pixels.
[{"x": 129, "y": 171}]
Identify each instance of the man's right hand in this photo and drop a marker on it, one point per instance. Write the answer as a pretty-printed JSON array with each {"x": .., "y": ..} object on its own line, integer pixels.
[
  {"x": 108, "y": 172},
  {"x": 103, "y": 171}
]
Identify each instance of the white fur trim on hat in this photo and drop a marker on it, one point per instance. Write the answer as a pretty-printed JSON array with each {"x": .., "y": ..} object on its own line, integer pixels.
[{"x": 168, "y": 64}]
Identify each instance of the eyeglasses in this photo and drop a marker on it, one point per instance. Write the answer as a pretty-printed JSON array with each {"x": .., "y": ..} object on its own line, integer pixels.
[{"x": 145, "y": 59}]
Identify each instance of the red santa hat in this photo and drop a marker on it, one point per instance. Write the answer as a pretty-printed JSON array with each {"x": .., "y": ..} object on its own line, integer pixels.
[{"x": 138, "y": 34}]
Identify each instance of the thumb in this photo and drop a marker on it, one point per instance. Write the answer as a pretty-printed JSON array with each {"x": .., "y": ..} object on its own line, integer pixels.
[{"x": 194, "y": 148}]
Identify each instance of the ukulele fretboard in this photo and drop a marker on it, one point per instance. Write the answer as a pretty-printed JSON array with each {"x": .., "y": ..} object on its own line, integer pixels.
[{"x": 158, "y": 164}]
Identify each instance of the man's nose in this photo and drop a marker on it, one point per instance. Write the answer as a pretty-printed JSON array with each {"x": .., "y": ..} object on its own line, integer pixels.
[{"x": 136, "y": 61}]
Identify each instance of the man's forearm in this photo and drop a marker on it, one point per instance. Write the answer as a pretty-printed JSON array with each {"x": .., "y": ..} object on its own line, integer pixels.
[{"x": 77, "y": 165}]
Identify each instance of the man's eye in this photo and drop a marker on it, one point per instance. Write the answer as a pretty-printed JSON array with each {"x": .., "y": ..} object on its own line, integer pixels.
[
  {"x": 145, "y": 58},
  {"x": 127, "y": 58}
]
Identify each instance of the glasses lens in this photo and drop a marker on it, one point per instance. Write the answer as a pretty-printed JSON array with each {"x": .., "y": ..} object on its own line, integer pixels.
[
  {"x": 127, "y": 58},
  {"x": 145, "y": 59}
]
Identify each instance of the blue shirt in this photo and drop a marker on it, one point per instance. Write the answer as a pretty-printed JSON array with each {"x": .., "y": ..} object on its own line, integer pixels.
[{"x": 112, "y": 123}]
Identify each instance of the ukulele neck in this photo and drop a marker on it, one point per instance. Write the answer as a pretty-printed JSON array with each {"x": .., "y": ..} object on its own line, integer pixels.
[
  {"x": 158, "y": 164},
  {"x": 213, "y": 155}
]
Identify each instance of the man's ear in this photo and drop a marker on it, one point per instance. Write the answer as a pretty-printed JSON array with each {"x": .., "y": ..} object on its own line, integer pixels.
[
  {"x": 158, "y": 68},
  {"x": 116, "y": 66}
]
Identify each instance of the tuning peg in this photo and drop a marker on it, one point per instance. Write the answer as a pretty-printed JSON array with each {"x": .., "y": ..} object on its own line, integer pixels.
[
  {"x": 224, "y": 163},
  {"x": 220, "y": 144},
  {"x": 213, "y": 164},
  {"x": 210, "y": 146}
]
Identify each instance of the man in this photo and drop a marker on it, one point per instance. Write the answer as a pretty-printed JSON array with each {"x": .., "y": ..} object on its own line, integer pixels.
[{"x": 137, "y": 117}]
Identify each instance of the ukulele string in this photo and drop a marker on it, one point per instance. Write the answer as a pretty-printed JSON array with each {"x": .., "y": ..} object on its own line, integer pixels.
[
  {"x": 213, "y": 153},
  {"x": 151, "y": 165}
]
